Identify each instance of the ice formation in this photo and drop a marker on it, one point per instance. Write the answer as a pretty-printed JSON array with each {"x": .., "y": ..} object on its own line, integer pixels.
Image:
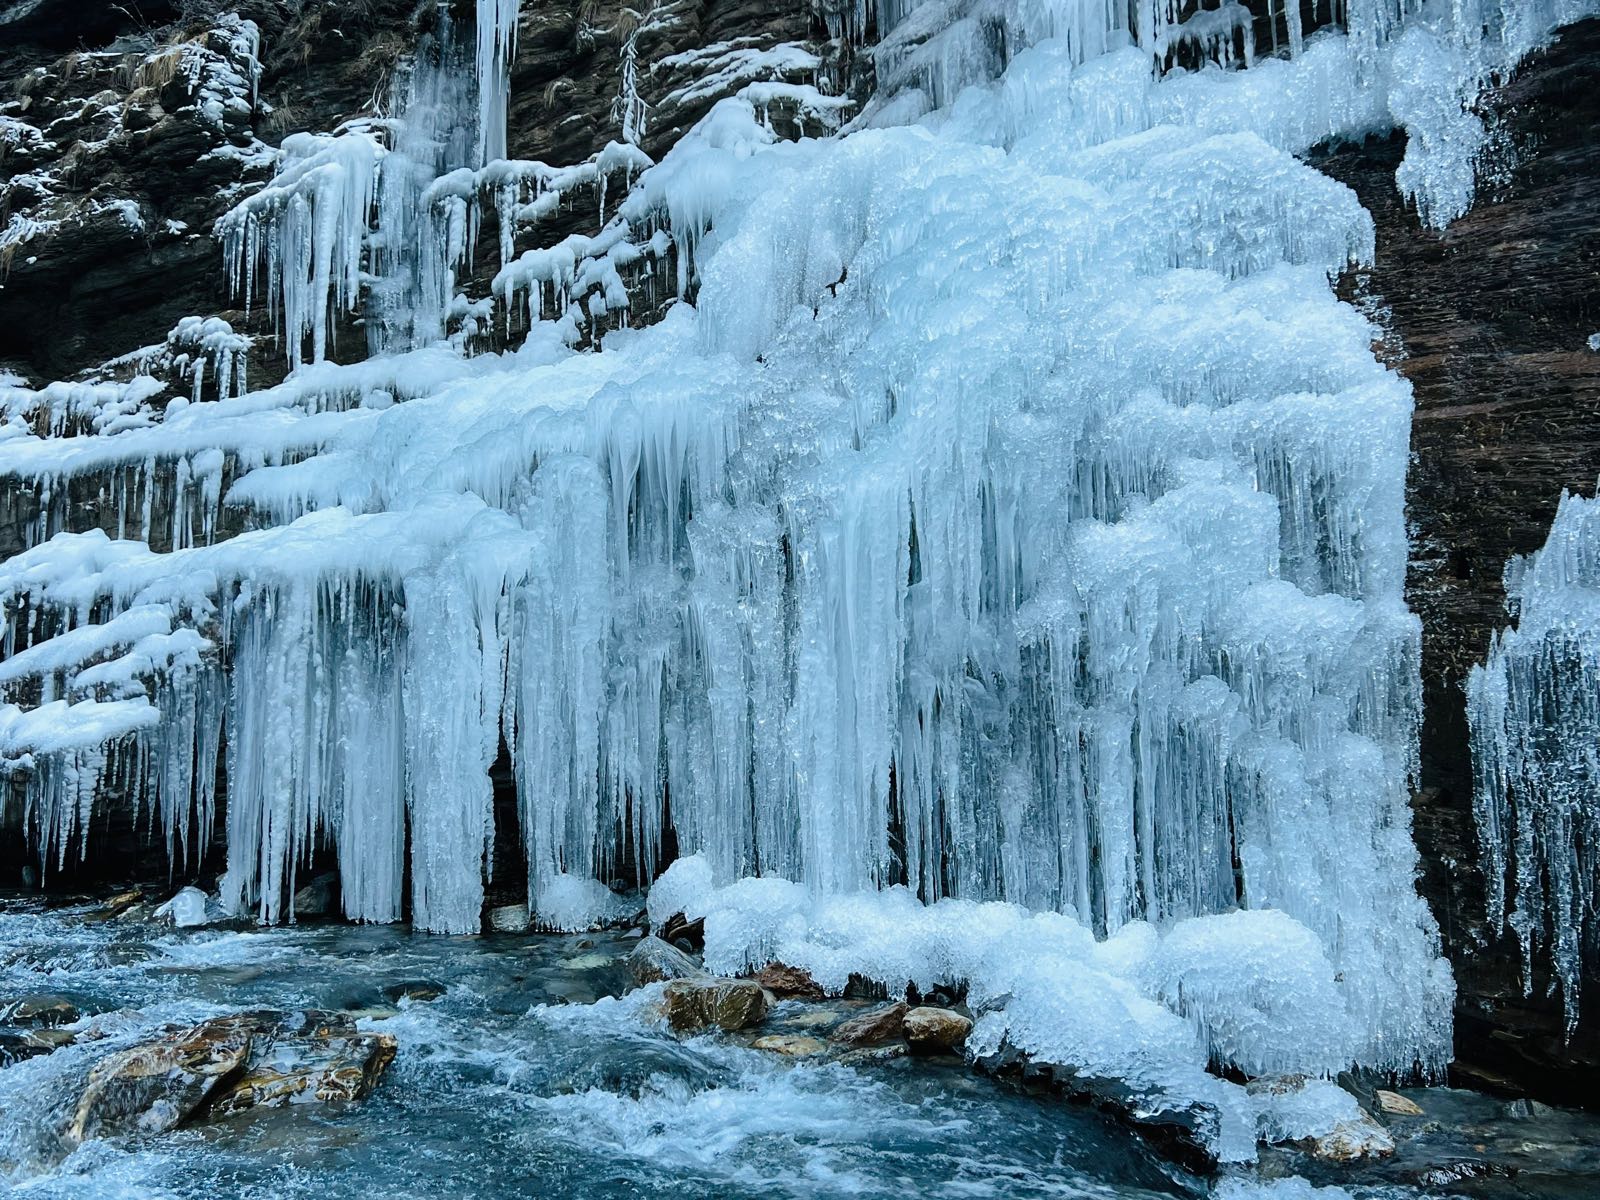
[
  {"x": 1007, "y": 515},
  {"x": 1534, "y": 707}
]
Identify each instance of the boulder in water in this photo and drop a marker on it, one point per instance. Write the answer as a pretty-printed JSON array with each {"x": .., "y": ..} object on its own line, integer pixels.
[
  {"x": 153, "y": 1087},
  {"x": 319, "y": 898},
  {"x": 298, "y": 1063},
  {"x": 653, "y": 961},
  {"x": 1351, "y": 1141},
  {"x": 792, "y": 1045},
  {"x": 730, "y": 1004},
  {"x": 788, "y": 983},
  {"x": 18, "y": 1044},
  {"x": 935, "y": 1030},
  {"x": 36, "y": 1011},
  {"x": 872, "y": 1028},
  {"x": 1396, "y": 1105}
]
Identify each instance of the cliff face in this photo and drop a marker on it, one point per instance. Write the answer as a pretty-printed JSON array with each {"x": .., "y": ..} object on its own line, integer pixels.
[
  {"x": 1490, "y": 321},
  {"x": 129, "y": 135}
]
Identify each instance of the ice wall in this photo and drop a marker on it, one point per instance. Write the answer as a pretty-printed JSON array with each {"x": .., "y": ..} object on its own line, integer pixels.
[
  {"x": 1534, "y": 707},
  {"x": 1007, "y": 511}
]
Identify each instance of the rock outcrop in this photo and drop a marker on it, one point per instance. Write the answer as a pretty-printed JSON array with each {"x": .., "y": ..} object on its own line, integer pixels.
[{"x": 1490, "y": 321}]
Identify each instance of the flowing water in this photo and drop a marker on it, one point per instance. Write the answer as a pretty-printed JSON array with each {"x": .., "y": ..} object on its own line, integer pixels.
[
  {"x": 533, "y": 1071},
  {"x": 529, "y": 1075}
]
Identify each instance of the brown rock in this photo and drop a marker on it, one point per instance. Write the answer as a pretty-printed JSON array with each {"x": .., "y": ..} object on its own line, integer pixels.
[
  {"x": 793, "y": 1045},
  {"x": 872, "y": 1028},
  {"x": 39, "y": 1011},
  {"x": 298, "y": 1070},
  {"x": 935, "y": 1030},
  {"x": 1351, "y": 1141},
  {"x": 789, "y": 983},
  {"x": 153, "y": 1087},
  {"x": 869, "y": 1056},
  {"x": 1396, "y": 1105},
  {"x": 729, "y": 1004},
  {"x": 653, "y": 961}
]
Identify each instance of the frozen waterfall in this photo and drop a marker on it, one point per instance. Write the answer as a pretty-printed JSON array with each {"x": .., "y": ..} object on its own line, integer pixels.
[
  {"x": 1007, "y": 520},
  {"x": 1534, "y": 706}
]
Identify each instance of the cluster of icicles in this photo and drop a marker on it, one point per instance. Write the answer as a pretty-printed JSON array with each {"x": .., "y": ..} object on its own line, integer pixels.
[
  {"x": 1014, "y": 514},
  {"x": 1534, "y": 706}
]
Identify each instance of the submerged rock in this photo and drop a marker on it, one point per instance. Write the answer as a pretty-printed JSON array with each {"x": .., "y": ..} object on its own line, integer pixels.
[
  {"x": 416, "y": 990},
  {"x": 935, "y": 1030},
  {"x": 793, "y": 1045},
  {"x": 331, "y": 1064},
  {"x": 872, "y": 1028},
  {"x": 19, "y": 1044},
  {"x": 653, "y": 961},
  {"x": 729, "y": 1004}
]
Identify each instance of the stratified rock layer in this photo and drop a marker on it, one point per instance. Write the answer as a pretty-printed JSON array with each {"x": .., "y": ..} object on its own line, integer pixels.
[{"x": 1490, "y": 322}]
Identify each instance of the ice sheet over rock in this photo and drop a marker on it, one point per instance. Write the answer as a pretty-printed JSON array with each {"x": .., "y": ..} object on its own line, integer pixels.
[{"x": 1008, "y": 511}]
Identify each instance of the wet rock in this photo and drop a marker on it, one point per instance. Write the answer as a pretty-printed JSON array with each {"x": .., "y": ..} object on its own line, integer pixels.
[
  {"x": 788, "y": 983},
  {"x": 869, "y": 1056},
  {"x": 417, "y": 990},
  {"x": 653, "y": 961},
  {"x": 510, "y": 918},
  {"x": 1351, "y": 1141},
  {"x": 1447, "y": 1175},
  {"x": 42, "y": 1010},
  {"x": 729, "y": 1004},
  {"x": 114, "y": 907},
  {"x": 19, "y": 1044},
  {"x": 691, "y": 933},
  {"x": 326, "y": 1067},
  {"x": 935, "y": 1030},
  {"x": 319, "y": 898},
  {"x": 791, "y": 1044},
  {"x": 872, "y": 1028},
  {"x": 153, "y": 1087},
  {"x": 1396, "y": 1105}
]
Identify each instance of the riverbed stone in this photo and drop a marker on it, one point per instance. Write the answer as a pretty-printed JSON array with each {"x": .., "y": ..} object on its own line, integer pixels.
[
  {"x": 153, "y": 1087},
  {"x": 729, "y": 1004},
  {"x": 930, "y": 1030},
  {"x": 319, "y": 898},
  {"x": 19, "y": 1044},
  {"x": 873, "y": 1027},
  {"x": 654, "y": 961},
  {"x": 43, "y": 1009},
  {"x": 1350, "y": 1141},
  {"x": 789, "y": 983},
  {"x": 793, "y": 1045},
  {"x": 324, "y": 1068},
  {"x": 1396, "y": 1105}
]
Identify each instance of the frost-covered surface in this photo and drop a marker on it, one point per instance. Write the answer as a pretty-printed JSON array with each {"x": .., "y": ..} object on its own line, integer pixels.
[
  {"x": 1006, "y": 509},
  {"x": 1149, "y": 1009},
  {"x": 1534, "y": 707}
]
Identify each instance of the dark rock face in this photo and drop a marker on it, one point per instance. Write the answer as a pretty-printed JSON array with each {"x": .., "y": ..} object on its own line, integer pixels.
[{"x": 1490, "y": 321}]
